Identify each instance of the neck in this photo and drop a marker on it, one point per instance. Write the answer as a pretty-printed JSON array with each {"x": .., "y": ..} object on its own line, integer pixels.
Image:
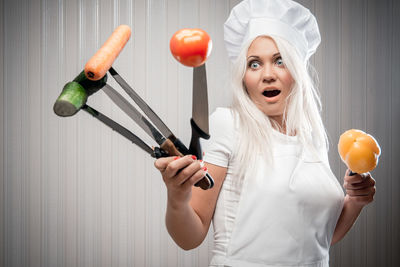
[{"x": 277, "y": 123}]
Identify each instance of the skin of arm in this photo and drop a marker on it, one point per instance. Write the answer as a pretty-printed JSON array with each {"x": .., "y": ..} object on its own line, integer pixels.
[
  {"x": 188, "y": 222},
  {"x": 360, "y": 191}
]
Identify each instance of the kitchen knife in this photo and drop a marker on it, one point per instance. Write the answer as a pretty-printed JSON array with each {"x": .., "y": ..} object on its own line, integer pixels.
[{"x": 199, "y": 121}]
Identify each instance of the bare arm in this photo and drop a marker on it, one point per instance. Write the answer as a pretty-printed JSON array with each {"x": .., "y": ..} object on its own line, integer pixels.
[
  {"x": 346, "y": 220},
  {"x": 189, "y": 209},
  {"x": 360, "y": 191},
  {"x": 184, "y": 225}
]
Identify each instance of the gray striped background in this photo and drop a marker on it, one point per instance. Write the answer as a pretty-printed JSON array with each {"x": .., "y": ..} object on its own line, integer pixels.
[{"x": 75, "y": 193}]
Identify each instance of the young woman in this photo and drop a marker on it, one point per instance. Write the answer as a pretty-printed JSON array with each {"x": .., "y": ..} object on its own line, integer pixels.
[{"x": 275, "y": 201}]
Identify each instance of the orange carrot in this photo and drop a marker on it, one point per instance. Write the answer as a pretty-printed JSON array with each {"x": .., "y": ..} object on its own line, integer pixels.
[{"x": 101, "y": 62}]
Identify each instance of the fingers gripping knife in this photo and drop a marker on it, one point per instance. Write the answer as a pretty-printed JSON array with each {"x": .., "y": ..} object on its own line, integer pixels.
[{"x": 74, "y": 97}]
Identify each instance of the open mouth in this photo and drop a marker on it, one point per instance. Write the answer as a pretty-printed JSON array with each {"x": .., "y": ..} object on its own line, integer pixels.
[{"x": 271, "y": 93}]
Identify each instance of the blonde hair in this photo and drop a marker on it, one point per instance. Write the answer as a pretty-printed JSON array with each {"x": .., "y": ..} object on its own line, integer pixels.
[{"x": 301, "y": 115}]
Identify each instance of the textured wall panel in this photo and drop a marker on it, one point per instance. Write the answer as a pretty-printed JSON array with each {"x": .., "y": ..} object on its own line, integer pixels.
[
  {"x": 2, "y": 144},
  {"x": 393, "y": 205},
  {"x": 327, "y": 58},
  {"x": 75, "y": 193},
  {"x": 2, "y": 148}
]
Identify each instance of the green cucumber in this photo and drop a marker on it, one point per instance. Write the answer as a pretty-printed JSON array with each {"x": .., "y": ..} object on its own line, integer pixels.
[
  {"x": 90, "y": 86},
  {"x": 71, "y": 99}
]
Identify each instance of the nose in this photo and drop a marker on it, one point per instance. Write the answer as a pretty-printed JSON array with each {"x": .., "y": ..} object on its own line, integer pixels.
[{"x": 269, "y": 74}]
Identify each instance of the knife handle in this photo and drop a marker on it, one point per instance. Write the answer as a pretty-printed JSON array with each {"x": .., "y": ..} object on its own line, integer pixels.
[
  {"x": 181, "y": 147},
  {"x": 207, "y": 182},
  {"x": 197, "y": 133},
  {"x": 195, "y": 149},
  {"x": 169, "y": 147}
]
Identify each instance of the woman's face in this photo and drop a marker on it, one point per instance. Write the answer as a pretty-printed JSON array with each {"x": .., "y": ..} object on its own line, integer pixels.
[{"x": 267, "y": 79}]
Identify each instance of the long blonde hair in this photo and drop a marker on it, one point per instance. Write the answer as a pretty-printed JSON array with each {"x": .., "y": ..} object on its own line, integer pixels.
[{"x": 301, "y": 115}]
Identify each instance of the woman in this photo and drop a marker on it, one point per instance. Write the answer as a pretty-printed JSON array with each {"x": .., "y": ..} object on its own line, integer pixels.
[{"x": 275, "y": 201}]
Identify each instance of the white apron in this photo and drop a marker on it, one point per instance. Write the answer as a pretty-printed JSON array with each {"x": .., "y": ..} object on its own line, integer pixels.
[{"x": 286, "y": 214}]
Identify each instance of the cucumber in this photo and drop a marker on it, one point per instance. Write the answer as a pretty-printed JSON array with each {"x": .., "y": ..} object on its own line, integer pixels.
[
  {"x": 91, "y": 87},
  {"x": 74, "y": 94},
  {"x": 71, "y": 99}
]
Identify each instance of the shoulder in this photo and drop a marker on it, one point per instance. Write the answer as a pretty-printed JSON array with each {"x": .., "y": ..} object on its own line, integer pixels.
[
  {"x": 219, "y": 147},
  {"x": 222, "y": 113},
  {"x": 224, "y": 118}
]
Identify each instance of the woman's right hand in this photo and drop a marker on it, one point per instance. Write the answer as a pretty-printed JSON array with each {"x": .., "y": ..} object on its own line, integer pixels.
[{"x": 179, "y": 175}]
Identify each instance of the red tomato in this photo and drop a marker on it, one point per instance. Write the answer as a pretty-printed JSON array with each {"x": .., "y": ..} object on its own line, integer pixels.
[{"x": 191, "y": 47}]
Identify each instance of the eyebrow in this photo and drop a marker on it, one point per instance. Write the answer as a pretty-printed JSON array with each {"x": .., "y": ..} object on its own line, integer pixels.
[{"x": 274, "y": 55}]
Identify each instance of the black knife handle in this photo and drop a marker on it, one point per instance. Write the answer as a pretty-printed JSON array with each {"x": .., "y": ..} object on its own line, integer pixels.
[
  {"x": 159, "y": 153},
  {"x": 197, "y": 133},
  {"x": 352, "y": 173},
  {"x": 195, "y": 149},
  {"x": 181, "y": 147}
]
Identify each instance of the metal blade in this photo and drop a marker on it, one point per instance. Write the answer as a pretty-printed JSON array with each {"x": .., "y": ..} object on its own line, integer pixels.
[
  {"x": 119, "y": 128},
  {"x": 134, "y": 114},
  {"x": 200, "y": 98},
  {"x": 143, "y": 106}
]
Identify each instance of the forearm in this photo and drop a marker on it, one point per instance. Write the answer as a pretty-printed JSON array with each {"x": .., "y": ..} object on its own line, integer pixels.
[
  {"x": 349, "y": 215},
  {"x": 184, "y": 226}
]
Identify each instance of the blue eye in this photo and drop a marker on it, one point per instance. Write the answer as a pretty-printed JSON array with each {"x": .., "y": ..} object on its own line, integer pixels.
[
  {"x": 279, "y": 61},
  {"x": 254, "y": 64}
]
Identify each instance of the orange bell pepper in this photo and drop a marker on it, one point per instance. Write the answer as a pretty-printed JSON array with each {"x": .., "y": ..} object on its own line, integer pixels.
[{"x": 359, "y": 151}]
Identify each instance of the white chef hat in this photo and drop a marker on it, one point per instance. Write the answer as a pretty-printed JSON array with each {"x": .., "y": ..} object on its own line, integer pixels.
[{"x": 284, "y": 18}]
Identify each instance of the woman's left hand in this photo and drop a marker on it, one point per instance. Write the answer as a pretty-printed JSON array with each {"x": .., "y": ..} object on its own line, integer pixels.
[{"x": 360, "y": 188}]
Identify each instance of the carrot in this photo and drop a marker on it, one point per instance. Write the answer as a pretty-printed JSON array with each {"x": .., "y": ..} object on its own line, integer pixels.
[{"x": 101, "y": 62}]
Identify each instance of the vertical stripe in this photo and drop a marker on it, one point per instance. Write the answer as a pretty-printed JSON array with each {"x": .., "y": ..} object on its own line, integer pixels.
[
  {"x": 2, "y": 136},
  {"x": 44, "y": 154},
  {"x": 394, "y": 154},
  {"x": 80, "y": 247},
  {"x": 60, "y": 189}
]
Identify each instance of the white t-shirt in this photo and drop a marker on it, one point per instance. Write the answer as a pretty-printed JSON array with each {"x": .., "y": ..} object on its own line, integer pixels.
[{"x": 285, "y": 215}]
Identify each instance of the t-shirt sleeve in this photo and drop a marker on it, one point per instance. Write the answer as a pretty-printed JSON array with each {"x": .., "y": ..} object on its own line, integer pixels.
[{"x": 218, "y": 149}]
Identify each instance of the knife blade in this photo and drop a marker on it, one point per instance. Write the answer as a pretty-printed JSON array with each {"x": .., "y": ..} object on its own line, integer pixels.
[
  {"x": 199, "y": 121},
  {"x": 123, "y": 131},
  {"x": 200, "y": 98},
  {"x": 133, "y": 113},
  {"x": 150, "y": 114}
]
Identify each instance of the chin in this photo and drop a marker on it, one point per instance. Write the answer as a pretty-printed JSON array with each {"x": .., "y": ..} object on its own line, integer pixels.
[{"x": 273, "y": 114}]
